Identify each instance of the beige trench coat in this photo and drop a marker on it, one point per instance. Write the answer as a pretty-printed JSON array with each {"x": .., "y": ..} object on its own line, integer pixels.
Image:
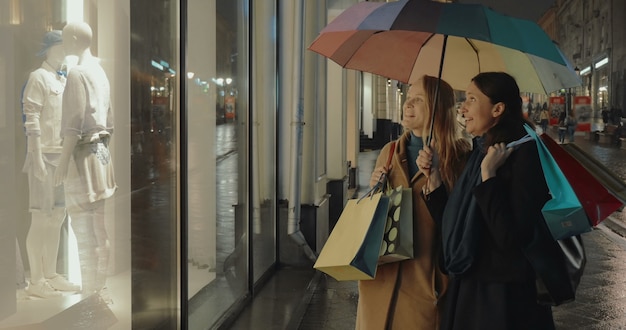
[{"x": 409, "y": 299}]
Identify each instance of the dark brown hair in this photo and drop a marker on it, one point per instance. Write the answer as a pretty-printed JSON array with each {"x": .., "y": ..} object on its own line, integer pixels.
[{"x": 502, "y": 87}]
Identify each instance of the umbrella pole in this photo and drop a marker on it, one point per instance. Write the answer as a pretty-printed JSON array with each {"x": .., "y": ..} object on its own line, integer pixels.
[{"x": 432, "y": 118}]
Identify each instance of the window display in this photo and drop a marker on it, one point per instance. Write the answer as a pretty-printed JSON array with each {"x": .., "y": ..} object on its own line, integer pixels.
[
  {"x": 118, "y": 198},
  {"x": 72, "y": 260}
]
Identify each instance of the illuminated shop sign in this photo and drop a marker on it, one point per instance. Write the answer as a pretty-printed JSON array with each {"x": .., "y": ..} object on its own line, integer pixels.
[{"x": 601, "y": 63}]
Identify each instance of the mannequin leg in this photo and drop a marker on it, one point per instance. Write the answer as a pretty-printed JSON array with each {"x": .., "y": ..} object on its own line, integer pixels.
[
  {"x": 88, "y": 225},
  {"x": 82, "y": 225},
  {"x": 102, "y": 251},
  {"x": 51, "y": 253},
  {"x": 20, "y": 278},
  {"x": 51, "y": 242},
  {"x": 35, "y": 246}
]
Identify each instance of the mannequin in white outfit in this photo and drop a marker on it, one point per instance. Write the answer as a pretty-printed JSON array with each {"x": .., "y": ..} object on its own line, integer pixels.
[
  {"x": 42, "y": 113},
  {"x": 85, "y": 166}
]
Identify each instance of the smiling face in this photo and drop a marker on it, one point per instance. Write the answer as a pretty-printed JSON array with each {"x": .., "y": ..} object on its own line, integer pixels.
[
  {"x": 414, "y": 109},
  {"x": 478, "y": 111}
]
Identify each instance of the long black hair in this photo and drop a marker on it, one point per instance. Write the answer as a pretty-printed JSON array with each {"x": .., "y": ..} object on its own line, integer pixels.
[{"x": 502, "y": 87}]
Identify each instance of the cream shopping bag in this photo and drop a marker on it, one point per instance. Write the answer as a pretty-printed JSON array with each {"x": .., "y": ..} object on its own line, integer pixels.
[{"x": 353, "y": 247}]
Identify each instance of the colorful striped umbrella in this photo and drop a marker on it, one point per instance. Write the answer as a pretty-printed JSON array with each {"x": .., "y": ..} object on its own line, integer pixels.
[{"x": 406, "y": 39}]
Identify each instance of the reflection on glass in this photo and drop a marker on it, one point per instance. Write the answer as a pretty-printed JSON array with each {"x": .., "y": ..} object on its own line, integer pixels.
[
  {"x": 217, "y": 165},
  {"x": 263, "y": 145},
  {"x": 153, "y": 122}
]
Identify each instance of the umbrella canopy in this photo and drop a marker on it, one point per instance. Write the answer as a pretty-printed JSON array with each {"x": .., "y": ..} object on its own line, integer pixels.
[{"x": 405, "y": 39}]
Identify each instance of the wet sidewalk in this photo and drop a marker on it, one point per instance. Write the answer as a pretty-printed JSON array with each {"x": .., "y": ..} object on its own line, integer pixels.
[
  {"x": 307, "y": 300},
  {"x": 600, "y": 301}
]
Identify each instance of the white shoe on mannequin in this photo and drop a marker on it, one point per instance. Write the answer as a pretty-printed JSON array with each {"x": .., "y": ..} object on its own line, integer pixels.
[
  {"x": 42, "y": 290},
  {"x": 60, "y": 283}
]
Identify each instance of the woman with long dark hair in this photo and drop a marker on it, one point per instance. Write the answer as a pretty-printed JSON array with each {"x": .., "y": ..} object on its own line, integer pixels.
[{"x": 492, "y": 216}]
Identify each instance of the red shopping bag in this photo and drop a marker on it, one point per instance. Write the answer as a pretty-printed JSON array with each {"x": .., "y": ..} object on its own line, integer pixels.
[{"x": 596, "y": 199}]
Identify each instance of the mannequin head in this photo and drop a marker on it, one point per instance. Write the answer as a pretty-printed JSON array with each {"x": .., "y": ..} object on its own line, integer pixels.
[
  {"x": 55, "y": 56},
  {"x": 50, "y": 39},
  {"x": 76, "y": 38}
]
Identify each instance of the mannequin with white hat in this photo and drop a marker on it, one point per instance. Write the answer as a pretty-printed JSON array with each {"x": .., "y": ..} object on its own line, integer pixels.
[
  {"x": 85, "y": 167},
  {"x": 42, "y": 120}
]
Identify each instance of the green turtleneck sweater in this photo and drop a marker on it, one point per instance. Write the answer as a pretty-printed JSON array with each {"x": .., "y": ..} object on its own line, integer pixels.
[{"x": 413, "y": 147}]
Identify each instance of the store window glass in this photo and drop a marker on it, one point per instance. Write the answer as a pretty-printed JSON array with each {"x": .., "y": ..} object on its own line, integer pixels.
[
  {"x": 154, "y": 148},
  {"x": 218, "y": 147},
  {"x": 88, "y": 138},
  {"x": 602, "y": 95},
  {"x": 264, "y": 139}
]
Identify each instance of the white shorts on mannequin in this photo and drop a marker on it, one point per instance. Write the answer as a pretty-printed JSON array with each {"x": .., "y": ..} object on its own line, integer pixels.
[
  {"x": 90, "y": 176},
  {"x": 43, "y": 195}
]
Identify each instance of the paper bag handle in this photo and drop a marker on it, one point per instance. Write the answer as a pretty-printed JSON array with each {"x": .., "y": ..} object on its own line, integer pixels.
[{"x": 382, "y": 181}]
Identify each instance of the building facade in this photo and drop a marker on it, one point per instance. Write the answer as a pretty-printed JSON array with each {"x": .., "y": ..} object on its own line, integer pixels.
[{"x": 590, "y": 34}]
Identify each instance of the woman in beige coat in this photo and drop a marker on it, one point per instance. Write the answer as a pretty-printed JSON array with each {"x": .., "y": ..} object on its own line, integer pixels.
[{"x": 407, "y": 294}]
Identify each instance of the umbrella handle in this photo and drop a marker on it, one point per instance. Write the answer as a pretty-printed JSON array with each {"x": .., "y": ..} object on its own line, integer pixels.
[{"x": 432, "y": 118}]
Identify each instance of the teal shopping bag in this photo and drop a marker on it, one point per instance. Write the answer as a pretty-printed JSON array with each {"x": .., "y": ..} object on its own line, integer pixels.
[
  {"x": 397, "y": 242},
  {"x": 564, "y": 214},
  {"x": 352, "y": 249}
]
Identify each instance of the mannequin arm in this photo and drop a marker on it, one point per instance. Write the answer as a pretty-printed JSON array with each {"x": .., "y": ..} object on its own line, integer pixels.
[
  {"x": 69, "y": 142},
  {"x": 35, "y": 158},
  {"x": 32, "y": 112}
]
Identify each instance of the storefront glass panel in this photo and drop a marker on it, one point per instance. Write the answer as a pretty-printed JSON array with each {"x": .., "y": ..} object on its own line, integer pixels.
[
  {"x": 154, "y": 122},
  {"x": 94, "y": 108},
  {"x": 602, "y": 90},
  {"x": 218, "y": 146},
  {"x": 263, "y": 139},
  {"x": 116, "y": 217}
]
